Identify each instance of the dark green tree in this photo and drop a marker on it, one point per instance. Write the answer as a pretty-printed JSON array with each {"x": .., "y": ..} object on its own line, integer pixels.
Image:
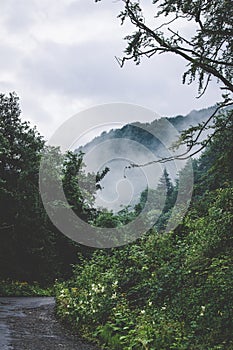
[
  {"x": 20, "y": 151},
  {"x": 30, "y": 246},
  {"x": 143, "y": 198},
  {"x": 165, "y": 196},
  {"x": 216, "y": 163},
  {"x": 80, "y": 187}
]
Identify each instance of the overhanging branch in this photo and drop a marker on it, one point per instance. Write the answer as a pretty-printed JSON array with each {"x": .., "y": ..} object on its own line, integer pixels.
[
  {"x": 177, "y": 50},
  {"x": 186, "y": 155}
]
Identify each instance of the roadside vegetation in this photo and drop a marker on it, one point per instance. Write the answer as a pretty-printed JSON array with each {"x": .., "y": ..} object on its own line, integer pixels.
[
  {"x": 23, "y": 289},
  {"x": 167, "y": 290}
]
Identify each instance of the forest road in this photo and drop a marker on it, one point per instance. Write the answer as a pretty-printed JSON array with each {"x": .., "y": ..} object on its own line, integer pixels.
[{"x": 28, "y": 323}]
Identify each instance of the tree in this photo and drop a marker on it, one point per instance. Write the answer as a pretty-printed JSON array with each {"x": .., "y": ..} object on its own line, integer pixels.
[
  {"x": 165, "y": 196},
  {"x": 208, "y": 51},
  {"x": 20, "y": 150},
  {"x": 214, "y": 168},
  {"x": 80, "y": 188},
  {"x": 30, "y": 246}
]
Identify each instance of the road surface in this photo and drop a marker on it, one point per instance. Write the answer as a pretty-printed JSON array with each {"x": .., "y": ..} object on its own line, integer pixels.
[{"x": 30, "y": 324}]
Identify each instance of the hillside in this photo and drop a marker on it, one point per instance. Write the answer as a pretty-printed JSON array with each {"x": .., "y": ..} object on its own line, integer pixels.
[
  {"x": 129, "y": 131},
  {"x": 136, "y": 143}
]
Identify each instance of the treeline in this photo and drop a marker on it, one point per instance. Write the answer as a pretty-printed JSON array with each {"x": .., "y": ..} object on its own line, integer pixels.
[{"x": 31, "y": 248}]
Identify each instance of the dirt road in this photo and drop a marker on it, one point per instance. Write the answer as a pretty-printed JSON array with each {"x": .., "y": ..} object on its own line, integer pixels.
[{"x": 30, "y": 324}]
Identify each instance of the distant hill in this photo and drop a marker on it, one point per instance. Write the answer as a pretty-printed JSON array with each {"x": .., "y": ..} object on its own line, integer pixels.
[
  {"x": 142, "y": 131},
  {"x": 135, "y": 143}
]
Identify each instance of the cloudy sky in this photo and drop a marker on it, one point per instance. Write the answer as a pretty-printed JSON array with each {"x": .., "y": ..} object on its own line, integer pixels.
[{"x": 58, "y": 55}]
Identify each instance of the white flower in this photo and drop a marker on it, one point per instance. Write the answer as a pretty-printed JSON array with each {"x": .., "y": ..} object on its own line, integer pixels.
[
  {"x": 114, "y": 296},
  {"x": 144, "y": 268},
  {"x": 202, "y": 310}
]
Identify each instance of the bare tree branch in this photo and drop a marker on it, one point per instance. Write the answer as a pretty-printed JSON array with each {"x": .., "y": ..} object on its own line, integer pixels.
[{"x": 206, "y": 86}]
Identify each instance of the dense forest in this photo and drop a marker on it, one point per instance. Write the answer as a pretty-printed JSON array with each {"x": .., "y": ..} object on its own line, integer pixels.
[
  {"x": 166, "y": 290},
  {"x": 31, "y": 249}
]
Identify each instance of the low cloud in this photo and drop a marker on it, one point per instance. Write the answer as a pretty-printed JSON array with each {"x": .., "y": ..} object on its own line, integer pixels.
[{"x": 60, "y": 56}]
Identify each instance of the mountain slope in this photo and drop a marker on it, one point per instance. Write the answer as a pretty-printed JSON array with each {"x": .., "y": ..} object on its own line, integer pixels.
[{"x": 138, "y": 143}]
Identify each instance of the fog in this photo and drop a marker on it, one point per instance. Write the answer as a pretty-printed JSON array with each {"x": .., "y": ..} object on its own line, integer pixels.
[{"x": 123, "y": 184}]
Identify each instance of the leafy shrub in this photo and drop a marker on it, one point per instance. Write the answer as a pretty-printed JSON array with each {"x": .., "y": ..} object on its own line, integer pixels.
[
  {"x": 16, "y": 288},
  {"x": 165, "y": 291}
]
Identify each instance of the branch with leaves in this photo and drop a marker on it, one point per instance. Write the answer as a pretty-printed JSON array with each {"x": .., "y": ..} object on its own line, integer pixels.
[
  {"x": 208, "y": 52},
  {"x": 191, "y": 136}
]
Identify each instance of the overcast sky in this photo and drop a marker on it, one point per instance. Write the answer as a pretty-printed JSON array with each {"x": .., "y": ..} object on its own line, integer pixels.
[{"x": 58, "y": 55}]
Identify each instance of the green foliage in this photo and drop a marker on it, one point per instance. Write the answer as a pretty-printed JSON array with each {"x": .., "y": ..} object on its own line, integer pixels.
[
  {"x": 31, "y": 247},
  {"x": 79, "y": 188},
  {"x": 107, "y": 219},
  {"x": 20, "y": 151},
  {"x": 166, "y": 291},
  {"x": 23, "y": 289},
  {"x": 207, "y": 50},
  {"x": 216, "y": 163}
]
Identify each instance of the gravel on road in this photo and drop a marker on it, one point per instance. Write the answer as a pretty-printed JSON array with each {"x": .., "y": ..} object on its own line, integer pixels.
[{"x": 30, "y": 324}]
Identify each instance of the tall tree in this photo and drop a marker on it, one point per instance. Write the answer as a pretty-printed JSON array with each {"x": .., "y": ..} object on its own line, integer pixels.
[
  {"x": 30, "y": 247},
  {"x": 20, "y": 151}
]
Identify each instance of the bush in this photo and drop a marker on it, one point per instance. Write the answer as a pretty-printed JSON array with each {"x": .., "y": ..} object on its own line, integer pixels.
[
  {"x": 15, "y": 288},
  {"x": 166, "y": 291}
]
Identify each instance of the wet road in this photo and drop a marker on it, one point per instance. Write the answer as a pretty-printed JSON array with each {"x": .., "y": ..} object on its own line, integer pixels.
[{"x": 30, "y": 324}]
